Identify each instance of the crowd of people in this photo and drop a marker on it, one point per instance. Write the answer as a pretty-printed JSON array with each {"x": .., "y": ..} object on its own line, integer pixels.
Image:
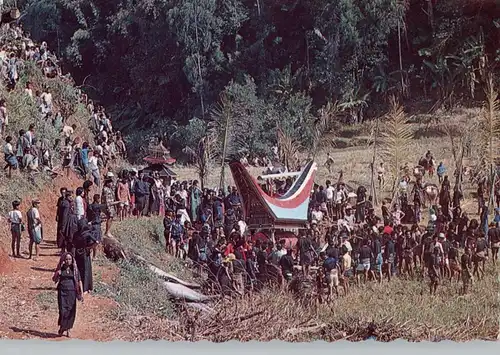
[
  {"x": 28, "y": 152},
  {"x": 345, "y": 242}
]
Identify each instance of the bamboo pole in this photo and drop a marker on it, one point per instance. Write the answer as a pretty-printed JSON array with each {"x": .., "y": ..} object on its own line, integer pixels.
[{"x": 373, "y": 189}]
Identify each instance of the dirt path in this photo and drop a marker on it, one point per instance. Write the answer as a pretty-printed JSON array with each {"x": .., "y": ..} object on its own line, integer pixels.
[{"x": 28, "y": 298}]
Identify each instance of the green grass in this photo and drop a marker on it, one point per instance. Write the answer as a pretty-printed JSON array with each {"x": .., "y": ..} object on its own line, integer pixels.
[
  {"x": 137, "y": 289},
  {"x": 47, "y": 300},
  {"x": 141, "y": 291},
  {"x": 145, "y": 237}
]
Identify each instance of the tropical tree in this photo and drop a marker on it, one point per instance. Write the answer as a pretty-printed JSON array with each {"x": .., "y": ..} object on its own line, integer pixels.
[
  {"x": 396, "y": 137},
  {"x": 202, "y": 156},
  {"x": 491, "y": 133}
]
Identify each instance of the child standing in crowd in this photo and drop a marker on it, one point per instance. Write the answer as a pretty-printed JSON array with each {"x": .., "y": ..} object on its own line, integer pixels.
[
  {"x": 15, "y": 219},
  {"x": 34, "y": 228}
]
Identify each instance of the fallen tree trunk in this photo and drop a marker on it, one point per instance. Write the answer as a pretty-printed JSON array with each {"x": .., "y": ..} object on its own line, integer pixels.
[
  {"x": 178, "y": 289},
  {"x": 163, "y": 274},
  {"x": 182, "y": 292},
  {"x": 170, "y": 277}
]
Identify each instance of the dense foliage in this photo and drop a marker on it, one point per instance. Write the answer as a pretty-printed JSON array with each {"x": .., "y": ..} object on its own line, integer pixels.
[{"x": 170, "y": 63}]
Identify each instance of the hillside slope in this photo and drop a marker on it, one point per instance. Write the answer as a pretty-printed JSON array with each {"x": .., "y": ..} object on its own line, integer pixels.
[
  {"x": 28, "y": 301},
  {"x": 28, "y": 298}
]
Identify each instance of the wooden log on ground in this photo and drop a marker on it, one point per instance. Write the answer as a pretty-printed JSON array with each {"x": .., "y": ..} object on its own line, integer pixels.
[
  {"x": 163, "y": 274},
  {"x": 178, "y": 291},
  {"x": 172, "y": 278}
]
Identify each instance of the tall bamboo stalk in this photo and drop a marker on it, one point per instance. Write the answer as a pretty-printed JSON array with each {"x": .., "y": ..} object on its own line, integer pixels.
[
  {"x": 226, "y": 111},
  {"x": 373, "y": 189},
  {"x": 491, "y": 132}
]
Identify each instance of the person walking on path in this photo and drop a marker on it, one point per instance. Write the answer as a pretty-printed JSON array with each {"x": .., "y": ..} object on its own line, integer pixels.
[{"x": 69, "y": 289}]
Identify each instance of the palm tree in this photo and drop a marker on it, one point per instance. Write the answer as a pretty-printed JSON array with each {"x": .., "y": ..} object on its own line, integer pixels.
[
  {"x": 202, "y": 156},
  {"x": 288, "y": 147},
  {"x": 491, "y": 132},
  {"x": 395, "y": 140},
  {"x": 229, "y": 132}
]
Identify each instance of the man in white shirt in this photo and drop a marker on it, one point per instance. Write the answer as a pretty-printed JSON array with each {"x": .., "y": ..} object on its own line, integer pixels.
[
  {"x": 330, "y": 194},
  {"x": 242, "y": 226},
  {"x": 94, "y": 168},
  {"x": 184, "y": 194},
  {"x": 4, "y": 119},
  {"x": 7, "y": 148},
  {"x": 47, "y": 99},
  {"x": 30, "y": 161},
  {"x": 277, "y": 254},
  {"x": 316, "y": 214},
  {"x": 104, "y": 135},
  {"x": 30, "y": 134},
  {"x": 68, "y": 131},
  {"x": 346, "y": 243},
  {"x": 349, "y": 217},
  {"x": 79, "y": 204},
  {"x": 340, "y": 198},
  {"x": 380, "y": 175}
]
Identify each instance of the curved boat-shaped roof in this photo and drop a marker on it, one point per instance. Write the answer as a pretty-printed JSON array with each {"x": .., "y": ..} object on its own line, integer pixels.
[{"x": 263, "y": 210}]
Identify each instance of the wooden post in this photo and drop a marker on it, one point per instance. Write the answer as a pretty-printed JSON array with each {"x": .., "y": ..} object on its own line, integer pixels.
[
  {"x": 491, "y": 197},
  {"x": 373, "y": 188}
]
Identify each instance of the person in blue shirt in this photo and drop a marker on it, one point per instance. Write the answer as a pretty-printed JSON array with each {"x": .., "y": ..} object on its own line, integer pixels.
[
  {"x": 218, "y": 209},
  {"x": 85, "y": 157},
  {"x": 141, "y": 192},
  {"x": 234, "y": 199},
  {"x": 176, "y": 233},
  {"x": 497, "y": 216},
  {"x": 441, "y": 170},
  {"x": 330, "y": 267}
]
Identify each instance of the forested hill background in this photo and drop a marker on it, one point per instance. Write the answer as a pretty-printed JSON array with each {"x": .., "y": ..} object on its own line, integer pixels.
[{"x": 280, "y": 66}]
